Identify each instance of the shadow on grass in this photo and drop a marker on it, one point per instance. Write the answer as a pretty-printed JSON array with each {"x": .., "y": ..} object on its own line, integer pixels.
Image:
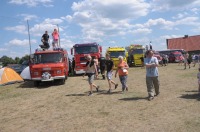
[
  {"x": 104, "y": 92},
  {"x": 100, "y": 92},
  {"x": 134, "y": 98},
  {"x": 42, "y": 85},
  {"x": 76, "y": 95},
  {"x": 191, "y": 96},
  {"x": 192, "y": 91}
]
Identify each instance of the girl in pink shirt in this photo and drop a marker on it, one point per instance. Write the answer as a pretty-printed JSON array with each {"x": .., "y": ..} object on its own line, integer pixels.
[{"x": 55, "y": 36}]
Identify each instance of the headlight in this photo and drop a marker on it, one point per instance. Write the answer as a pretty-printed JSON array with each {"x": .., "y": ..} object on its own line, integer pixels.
[{"x": 58, "y": 72}]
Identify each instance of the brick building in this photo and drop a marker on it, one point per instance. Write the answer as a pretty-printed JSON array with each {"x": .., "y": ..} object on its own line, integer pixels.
[{"x": 191, "y": 44}]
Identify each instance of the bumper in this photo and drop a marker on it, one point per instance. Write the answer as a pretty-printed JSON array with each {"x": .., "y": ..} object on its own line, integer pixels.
[
  {"x": 50, "y": 79},
  {"x": 81, "y": 71}
]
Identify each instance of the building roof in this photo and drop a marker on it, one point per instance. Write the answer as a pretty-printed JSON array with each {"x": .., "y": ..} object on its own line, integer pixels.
[{"x": 188, "y": 43}]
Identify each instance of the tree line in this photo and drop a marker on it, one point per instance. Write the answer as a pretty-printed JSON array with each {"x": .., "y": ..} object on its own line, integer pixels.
[{"x": 5, "y": 60}]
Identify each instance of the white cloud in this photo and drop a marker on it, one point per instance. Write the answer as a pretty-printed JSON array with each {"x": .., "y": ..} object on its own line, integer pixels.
[
  {"x": 113, "y": 9},
  {"x": 157, "y": 22},
  {"x": 18, "y": 42},
  {"x": 180, "y": 15},
  {"x": 141, "y": 31},
  {"x": 19, "y": 29},
  {"x": 67, "y": 18},
  {"x": 32, "y": 3},
  {"x": 47, "y": 25},
  {"x": 193, "y": 21},
  {"x": 195, "y": 10},
  {"x": 52, "y": 21},
  {"x": 28, "y": 17},
  {"x": 3, "y": 49},
  {"x": 173, "y": 4},
  {"x": 105, "y": 18}
]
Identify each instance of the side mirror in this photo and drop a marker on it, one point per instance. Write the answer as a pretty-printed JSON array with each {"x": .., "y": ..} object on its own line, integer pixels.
[
  {"x": 100, "y": 48},
  {"x": 32, "y": 56},
  {"x": 72, "y": 51}
]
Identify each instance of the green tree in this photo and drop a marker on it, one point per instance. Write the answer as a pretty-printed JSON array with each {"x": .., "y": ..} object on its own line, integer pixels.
[
  {"x": 17, "y": 59},
  {"x": 25, "y": 58},
  {"x": 7, "y": 60}
]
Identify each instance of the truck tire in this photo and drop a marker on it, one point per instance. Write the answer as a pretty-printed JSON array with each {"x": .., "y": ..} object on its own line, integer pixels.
[
  {"x": 62, "y": 81},
  {"x": 36, "y": 83}
]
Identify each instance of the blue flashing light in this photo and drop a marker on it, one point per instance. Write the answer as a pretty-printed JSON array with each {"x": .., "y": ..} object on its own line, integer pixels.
[{"x": 58, "y": 49}]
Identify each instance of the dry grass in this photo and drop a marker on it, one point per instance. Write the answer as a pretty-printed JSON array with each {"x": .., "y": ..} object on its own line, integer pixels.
[{"x": 68, "y": 108}]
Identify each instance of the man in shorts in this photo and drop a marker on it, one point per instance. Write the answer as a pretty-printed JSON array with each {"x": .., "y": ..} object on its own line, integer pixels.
[
  {"x": 91, "y": 70},
  {"x": 109, "y": 68}
]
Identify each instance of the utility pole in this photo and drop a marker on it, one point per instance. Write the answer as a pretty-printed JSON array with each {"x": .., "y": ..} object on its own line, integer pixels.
[{"x": 29, "y": 37}]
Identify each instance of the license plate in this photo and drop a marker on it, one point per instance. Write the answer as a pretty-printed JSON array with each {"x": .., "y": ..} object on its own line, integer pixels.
[{"x": 46, "y": 69}]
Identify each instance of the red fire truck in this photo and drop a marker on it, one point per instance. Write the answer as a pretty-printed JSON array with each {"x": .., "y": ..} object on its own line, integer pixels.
[
  {"x": 49, "y": 65},
  {"x": 79, "y": 51}
]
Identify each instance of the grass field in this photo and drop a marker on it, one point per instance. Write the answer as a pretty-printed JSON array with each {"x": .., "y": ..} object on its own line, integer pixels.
[{"x": 67, "y": 107}]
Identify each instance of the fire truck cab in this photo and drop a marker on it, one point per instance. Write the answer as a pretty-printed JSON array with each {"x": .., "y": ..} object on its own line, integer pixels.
[
  {"x": 135, "y": 53},
  {"x": 115, "y": 52},
  {"x": 79, "y": 51},
  {"x": 49, "y": 65}
]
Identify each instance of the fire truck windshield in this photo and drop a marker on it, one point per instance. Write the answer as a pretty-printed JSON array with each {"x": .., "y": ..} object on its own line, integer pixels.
[
  {"x": 48, "y": 58},
  {"x": 116, "y": 54},
  {"x": 86, "y": 49},
  {"x": 137, "y": 51}
]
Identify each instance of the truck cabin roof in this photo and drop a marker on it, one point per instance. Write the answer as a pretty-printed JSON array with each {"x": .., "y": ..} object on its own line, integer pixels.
[
  {"x": 85, "y": 44},
  {"x": 50, "y": 51}
]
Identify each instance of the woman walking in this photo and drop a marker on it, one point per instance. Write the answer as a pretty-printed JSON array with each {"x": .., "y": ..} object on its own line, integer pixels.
[{"x": 122, "y": 70}]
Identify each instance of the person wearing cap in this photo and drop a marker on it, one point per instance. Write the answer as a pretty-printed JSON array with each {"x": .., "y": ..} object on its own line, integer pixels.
[
  {"x": 122, "y": 70},
  {"x": 91, "y": 70}
]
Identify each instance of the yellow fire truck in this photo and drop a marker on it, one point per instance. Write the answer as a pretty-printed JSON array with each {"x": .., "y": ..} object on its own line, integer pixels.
[
  {"x": 135, "y": 52},
  {"x": 115, "y": 52}
]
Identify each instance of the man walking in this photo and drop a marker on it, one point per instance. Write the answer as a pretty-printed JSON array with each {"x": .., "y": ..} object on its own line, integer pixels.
[
  {"x": 109, "y": 68},
  {"x": 152, "y": 81},
  {"x": 91, "y": 70}
]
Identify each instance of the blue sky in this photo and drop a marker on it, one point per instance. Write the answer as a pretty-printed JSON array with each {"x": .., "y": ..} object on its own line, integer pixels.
[{"x": 107, "y": 22}]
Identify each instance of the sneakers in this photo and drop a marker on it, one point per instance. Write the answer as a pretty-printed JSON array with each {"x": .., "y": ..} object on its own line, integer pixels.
[
  {"x": 97, "y": 88},
  {"x": 126, "y": 88},
  {"x": 116, "y": 85},
  {"x": 156, "y": 95},
  {"x": 90, "y": 93},
  {"x": 150, "y": 98},
  {"x": 109, "y": 91}
]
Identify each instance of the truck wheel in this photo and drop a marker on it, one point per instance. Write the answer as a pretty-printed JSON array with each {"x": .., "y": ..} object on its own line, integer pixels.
[
  {"x": 62, "y": 81},
  {"x": 36, "y": 83},
  {"x": 66, "y": 77}
]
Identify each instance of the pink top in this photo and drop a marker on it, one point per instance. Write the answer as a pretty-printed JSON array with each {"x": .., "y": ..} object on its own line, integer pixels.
[{"x": 55, "y": 35}]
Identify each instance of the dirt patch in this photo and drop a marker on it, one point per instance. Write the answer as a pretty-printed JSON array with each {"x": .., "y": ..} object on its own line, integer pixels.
[{"x": 68, "y": 108}]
